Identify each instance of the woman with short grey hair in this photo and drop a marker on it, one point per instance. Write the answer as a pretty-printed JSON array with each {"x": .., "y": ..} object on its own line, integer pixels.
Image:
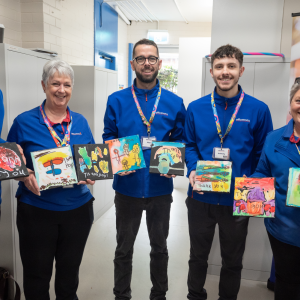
[
  {"x": 281, "y": 153},
  {"x": 53, "y": 224}
]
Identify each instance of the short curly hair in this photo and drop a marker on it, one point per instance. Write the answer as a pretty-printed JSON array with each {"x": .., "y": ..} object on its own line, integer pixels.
[{"x": 228, "y": 51}]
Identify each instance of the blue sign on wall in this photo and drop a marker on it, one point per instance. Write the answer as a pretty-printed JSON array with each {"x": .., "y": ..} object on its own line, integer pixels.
[{"x": 106, "y": 36}]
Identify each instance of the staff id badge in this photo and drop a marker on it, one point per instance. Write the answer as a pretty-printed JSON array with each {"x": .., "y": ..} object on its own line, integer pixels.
[
  {"x": 221, "y": 153},
  {"x": 146, "y": 142}
]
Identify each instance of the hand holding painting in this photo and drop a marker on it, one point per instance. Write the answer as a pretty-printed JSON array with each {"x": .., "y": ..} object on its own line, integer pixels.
[
  {"x": 88, "y": 181},
  {"x": 192, "y": 179},
  {"x": 31, "y": 183}
]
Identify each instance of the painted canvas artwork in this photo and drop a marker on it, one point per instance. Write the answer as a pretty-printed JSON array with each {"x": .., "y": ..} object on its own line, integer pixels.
[
  {"x": 254, "y": 197},
  {"x": 11, "y": 163},
  {"x": 293, "y": 193},
  {"x": 92, "y": 162},
  {"x": 126, "y": 154},
  {"x": 167, "y": 158},
  {"x": 54, "y": 167},
  {"x": 213, "y": 176}
]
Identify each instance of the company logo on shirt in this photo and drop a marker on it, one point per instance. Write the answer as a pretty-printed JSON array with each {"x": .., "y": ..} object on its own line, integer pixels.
[
  {"x": 161, "y": 113},
  {"x": 79, "y": 133},
  {"x": 243, "y": 120}
]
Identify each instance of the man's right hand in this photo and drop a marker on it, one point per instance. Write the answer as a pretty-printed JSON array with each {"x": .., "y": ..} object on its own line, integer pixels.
[{"x": 192, "y": 179}]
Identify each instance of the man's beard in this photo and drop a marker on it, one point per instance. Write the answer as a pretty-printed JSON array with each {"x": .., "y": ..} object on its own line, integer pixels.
[
  {"x": 146, "y": 80},
  {"x": 227, "y": 88}
]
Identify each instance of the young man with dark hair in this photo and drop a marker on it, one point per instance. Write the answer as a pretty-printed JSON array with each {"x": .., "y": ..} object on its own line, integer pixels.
[
  {"x": 140, "y": 190},
  {"x": 230, "y": 125}
]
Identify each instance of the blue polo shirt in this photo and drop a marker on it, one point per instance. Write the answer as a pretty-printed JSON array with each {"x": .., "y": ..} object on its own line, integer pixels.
[{"x": 31, "y": 133}]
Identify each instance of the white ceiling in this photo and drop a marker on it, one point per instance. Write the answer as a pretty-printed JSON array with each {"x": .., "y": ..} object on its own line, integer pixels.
[{"x": 165, "y": 10}]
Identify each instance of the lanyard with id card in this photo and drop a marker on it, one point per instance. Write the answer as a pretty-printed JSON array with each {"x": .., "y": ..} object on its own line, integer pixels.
[
  {"x": 146, "y": 141},
  {"x": 224, "y": 153},
  {"x": 56, "y": 138}
]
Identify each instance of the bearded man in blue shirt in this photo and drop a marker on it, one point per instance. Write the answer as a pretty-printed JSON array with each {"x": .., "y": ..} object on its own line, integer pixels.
[
  {"x": 248, "y": 122},
  {"x": 140, "y": 190}
]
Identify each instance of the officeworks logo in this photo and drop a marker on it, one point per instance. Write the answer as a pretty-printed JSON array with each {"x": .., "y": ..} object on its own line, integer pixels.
[
  {"x": 161, "y": 113},
  {"x": 243, "y": 120},
  {"x": 79, "y": 133}
]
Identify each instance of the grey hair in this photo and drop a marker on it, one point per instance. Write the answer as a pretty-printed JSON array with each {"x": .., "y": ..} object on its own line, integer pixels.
[
  {"x": 60, "y": 66},
  {"x": 295, "y": 88}
]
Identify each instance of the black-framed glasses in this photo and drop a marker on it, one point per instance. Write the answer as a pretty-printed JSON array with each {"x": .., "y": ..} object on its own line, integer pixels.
[
  {"x": 297, "y": 80},
  {"x": 141, "y": 60}
]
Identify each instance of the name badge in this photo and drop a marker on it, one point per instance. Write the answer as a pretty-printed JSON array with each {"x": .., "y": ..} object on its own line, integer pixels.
[
  {"x": 68, "y": 186},
  {"x": 221, "y": 153},
  {"x": 146, "y": 142}
]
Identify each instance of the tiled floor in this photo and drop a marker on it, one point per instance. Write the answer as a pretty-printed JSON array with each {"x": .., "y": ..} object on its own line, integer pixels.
[{"x": 96, "y": 273}]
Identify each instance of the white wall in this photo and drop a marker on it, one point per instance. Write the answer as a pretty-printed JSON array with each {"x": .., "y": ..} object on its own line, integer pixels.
[
  {"x": 77, "y": 31},
  {"x": 139, "y": 30},
  {"x": 122, "y": 53},
  {"x": 290, "y": 6},
  {"x": 10, "y": 16},
  {"x": 253, "y": 26}
]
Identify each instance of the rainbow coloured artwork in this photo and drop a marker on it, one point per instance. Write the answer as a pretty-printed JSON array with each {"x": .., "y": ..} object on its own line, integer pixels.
[
  {"x": 54, "y": 167},
  {"x": 213, "y": 176},
  {"x": 126, "y": 154},
  {"x": 293, "y": 193},
  {"x": 167, "y": 158},
  {"x": 92, "y": 162},
  {"x": 254, "y": 197}
]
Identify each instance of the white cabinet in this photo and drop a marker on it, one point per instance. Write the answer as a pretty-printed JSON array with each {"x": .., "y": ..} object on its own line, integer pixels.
[
  {"x": 20, "y": 81},
  {"x": 92, "y": 87}
]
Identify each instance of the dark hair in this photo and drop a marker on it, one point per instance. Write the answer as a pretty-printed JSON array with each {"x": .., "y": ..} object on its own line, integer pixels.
[
  {"x": 228, "y": 51},
  {"x": 144, "y": 42}
]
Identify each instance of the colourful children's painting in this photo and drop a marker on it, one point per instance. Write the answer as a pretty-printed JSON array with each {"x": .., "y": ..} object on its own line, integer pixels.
[
  {"x": 11, "y": 163},
  {"x": 92, "y": 162},
  {"x": 293, "y": 193},
  {"x": 167, "y": 158},
  {"x": 54, "y": 167},
  {"x": 126, "y": 154},
  {"x": 213, "y": 176},
  {"x": 254, "y": 197}
]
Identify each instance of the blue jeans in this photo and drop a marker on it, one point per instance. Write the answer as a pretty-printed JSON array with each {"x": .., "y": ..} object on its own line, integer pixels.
[{"x": 128, "y": 218}]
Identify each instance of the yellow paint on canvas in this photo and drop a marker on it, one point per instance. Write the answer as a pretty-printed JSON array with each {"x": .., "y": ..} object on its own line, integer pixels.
[
  {"x": 219, "y": 186},
  {"x": 94, "y": 156},
  {"x": 105, "y": 151},
  {"x": 96, "y": 169}
]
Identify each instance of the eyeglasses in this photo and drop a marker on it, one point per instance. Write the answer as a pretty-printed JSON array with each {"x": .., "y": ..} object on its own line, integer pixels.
[
  {"x": 152, "y": 60},
  {"x": 297, "y": 80}
]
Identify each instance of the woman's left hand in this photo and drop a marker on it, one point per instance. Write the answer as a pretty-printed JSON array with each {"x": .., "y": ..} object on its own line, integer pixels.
[{"x": 88, "y": 181}]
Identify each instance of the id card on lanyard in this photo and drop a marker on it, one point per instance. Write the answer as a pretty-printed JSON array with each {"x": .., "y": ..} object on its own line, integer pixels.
[
  {"x": 146, "y": 142},
  {"x": 224, "y": 153},
  {"x": 56, "y": 138}
]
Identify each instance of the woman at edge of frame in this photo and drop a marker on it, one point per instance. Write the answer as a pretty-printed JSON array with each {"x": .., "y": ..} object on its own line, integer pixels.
[
  {"x": 282, "y": 151},
  {"x": 55, "y": 223}
]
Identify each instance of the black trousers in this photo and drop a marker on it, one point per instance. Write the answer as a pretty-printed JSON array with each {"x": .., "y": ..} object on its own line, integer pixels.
[
  {"x": 287, "y": 270},
  {"x": 47, "y": 235},
  {"x": 202, "y": 218},
  {"x": 128, "y": 218}
]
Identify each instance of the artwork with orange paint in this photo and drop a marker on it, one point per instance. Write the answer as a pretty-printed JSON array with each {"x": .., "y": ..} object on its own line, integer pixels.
[
  {"x": 254, "y": 197},
  {"x": 213, "y": 176},
  {"x": 54, "y": 167},
  {"x": 126, "y": 154}
]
